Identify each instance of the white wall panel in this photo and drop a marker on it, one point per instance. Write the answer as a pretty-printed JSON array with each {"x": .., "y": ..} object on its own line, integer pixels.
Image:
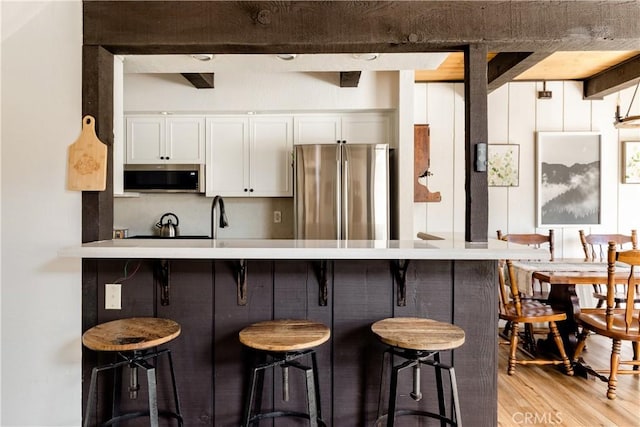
[
  {"x": 498, "y": 130},
  {"x": 460, "y": 203},
  {"x": 441, "y": 123},
  {"x": 522, "y": 122},
  {"x": 577, "y": 112},
  {"x": 420, "y": 103},
  {"x": 549, "y": 114}
]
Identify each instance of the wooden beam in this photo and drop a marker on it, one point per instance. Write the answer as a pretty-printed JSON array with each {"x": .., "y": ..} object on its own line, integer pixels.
[
  {"x": 612, "y": 80},
  {"x": 349, "y": 78},
  {"x": 97, "y": 100},
  {"x": 200, "y": 80},
  {"x": 476, "y": 131},
  {"x": 506, "y": 66},
  {"x": 154, "y": 27}
]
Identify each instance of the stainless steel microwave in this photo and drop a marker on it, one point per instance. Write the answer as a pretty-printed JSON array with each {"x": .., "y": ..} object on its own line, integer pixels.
[{"x": 161, "y": 178}]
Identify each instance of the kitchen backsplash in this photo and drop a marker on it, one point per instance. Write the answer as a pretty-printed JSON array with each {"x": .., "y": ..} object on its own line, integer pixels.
[{"x": 249, "y": 218}]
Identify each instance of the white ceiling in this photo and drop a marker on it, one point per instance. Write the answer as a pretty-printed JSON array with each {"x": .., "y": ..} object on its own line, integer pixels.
[{"x": 271, "y": 63}]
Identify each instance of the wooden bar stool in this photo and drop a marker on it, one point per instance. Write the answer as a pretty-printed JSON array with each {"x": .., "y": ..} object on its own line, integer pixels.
[
  {"x": 419, "y": 341},
  {"x": 134, "y": 340},
  {"x": 282, "y": 343}
]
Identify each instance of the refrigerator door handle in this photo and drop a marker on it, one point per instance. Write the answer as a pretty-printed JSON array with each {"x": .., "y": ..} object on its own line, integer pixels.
[
  {"x": 345, "y": 200},
  {"x": 338, "y": 201}
]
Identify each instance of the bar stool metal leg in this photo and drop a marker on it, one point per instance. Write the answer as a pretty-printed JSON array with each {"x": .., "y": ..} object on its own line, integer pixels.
[
  {"x": 441, "y": 406},
  {"x": 316, "y": 382},
  {"x": 153, "y": 393},
  {"x": 311, "y": 398},
  {"x": 92, "y": 392}
]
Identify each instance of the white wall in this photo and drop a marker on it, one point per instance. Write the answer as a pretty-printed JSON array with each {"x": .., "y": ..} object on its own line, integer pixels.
[
  {"x": 41, "y": 293},
  {"x": 254, "y": 91}
]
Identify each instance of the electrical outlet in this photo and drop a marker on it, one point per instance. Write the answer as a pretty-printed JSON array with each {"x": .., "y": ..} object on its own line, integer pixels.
[
  {"x": 112, "y": 296},
  {"x": 277, "y": 217}
]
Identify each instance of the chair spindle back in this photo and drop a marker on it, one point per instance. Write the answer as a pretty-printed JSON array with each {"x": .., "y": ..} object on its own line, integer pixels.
[
  {"x": 533, "y": 239},
  {"x": 595, "y": 245},
  {"x": 632, "y": 259}
]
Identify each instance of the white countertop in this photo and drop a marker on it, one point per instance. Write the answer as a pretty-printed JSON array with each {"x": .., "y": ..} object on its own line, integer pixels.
[{"x": 452, "y": 246}]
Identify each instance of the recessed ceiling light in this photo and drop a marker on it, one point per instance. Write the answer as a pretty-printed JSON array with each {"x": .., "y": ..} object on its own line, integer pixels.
[
  {"x": 287, "y": 56},
  {"x": 366, "y": 56},
  {"x": 202, "y": 56}
]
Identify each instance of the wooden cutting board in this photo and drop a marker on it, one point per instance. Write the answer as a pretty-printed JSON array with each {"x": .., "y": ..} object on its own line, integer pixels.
[{"x": 87, "y": 160}]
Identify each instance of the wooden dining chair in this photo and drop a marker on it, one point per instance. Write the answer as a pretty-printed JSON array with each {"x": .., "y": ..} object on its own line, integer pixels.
[
  {"x": 595, "y": 249},
  {"x": 619, "y": 324},
  {"x": 515, "y": 311},
  {"x": 540, "y": 290}
]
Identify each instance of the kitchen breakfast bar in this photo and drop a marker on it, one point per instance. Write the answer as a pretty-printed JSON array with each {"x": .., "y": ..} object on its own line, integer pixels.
[{"x": 214, "y": 288}]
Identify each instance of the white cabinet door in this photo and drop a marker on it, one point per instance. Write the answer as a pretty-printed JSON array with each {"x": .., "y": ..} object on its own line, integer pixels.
[
  {"x": 270, "y": 157},
  {"x": 355, "y": 128},
  {"x": 249, "y": 157},
  {"x": 227, "y": 170},
  {"x": 160, "y": 139},
  {"x": 184, "y": 140},
  {"x": 145, "y": 139},
  {"x": 317, "y": 129},
  {"x": 366, "y": 128}
]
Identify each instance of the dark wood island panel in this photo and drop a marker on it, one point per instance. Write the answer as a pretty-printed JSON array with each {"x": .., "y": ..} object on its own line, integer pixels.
[{"x": 211, "y": 363}]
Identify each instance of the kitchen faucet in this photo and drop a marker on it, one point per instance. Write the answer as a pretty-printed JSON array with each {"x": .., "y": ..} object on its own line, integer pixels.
[{"x": 217, "y": 201}]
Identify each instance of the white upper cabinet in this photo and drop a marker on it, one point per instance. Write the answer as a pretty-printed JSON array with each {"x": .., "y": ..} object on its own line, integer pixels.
[
  {"x": 249, "y": 156},
  {"x": 366, "y": 128},
  {"x": 317, "y": 129},
  {"x": 356, "y": 128},
  {"x": 162, "y": 139}
]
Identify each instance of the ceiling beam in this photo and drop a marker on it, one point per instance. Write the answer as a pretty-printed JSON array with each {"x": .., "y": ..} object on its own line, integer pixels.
[
  {"x": 200, "y": 80},
  {"x": 349, "y": 78},
  {"x": 612, "y": 80},
  {"x": 505, "y": 67},
  {"x": 219, "y": 27}
]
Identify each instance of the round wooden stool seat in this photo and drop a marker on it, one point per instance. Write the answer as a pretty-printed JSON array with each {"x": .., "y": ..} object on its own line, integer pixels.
[
  {"x": 284, "y": 335},
  {"x": 136, "y": 333},
  {"x": 416, "y": 333}
]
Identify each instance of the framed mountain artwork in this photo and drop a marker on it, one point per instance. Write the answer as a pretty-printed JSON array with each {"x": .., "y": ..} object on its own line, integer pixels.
[{"x": 568, "y": 178}]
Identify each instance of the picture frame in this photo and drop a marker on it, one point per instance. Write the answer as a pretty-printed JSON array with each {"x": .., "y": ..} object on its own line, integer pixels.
[
  {"x": 503, "y": 165},
  {"x": 631, "y": 162},
  {"x": 568, "y": 178}
]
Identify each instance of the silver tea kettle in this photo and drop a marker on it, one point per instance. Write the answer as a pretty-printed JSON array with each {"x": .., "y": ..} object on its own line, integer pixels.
[{"x": 168, "y": 229}]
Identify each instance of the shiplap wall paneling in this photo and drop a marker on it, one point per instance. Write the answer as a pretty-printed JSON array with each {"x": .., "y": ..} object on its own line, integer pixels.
[
  {"x": 498, "y": 129},
  {"x": 628, "y": 194},
  {"x": 522, "y": 126}
]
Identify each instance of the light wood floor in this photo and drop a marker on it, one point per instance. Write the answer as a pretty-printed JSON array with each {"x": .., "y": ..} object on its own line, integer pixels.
[{"x": 544, "y": 395}]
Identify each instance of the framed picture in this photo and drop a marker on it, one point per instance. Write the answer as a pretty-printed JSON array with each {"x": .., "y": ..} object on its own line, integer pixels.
[
  {"x": 631, "y": 162},
  {"x": 568, "y": 178},
  {"x": 503, "y": 165}
]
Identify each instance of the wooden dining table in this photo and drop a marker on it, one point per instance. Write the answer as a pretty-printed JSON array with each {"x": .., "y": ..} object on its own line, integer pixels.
[{"x": 564, "y": 275}]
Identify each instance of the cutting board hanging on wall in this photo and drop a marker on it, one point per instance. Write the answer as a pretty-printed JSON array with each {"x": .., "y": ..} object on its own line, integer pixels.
[{"x": 87, "y": 160}]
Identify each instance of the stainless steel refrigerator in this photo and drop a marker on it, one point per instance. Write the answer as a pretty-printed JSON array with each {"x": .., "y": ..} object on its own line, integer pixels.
[{"x": 342, "y": 191}]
